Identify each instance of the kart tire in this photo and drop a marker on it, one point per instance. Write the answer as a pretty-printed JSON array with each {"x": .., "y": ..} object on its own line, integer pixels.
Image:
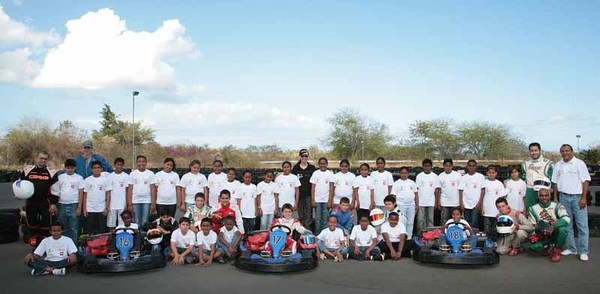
[
  {"x": 9, "y": 229},
  {"x": 9, "y": 238},
  {"x": 8, "y": 217}
]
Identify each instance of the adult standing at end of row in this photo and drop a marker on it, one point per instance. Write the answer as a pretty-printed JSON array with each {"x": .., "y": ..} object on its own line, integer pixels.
[
  {"x": 536, "y": 168},
  {"x": 571, "y": 180},
  {"x": 84, "y": 161},
  {"x": 304, "y": 170}
]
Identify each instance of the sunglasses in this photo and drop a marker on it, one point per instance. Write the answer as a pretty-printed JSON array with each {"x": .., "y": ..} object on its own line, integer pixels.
[
  {"x": 87, "y": 147},
  {"x": 304, "y": 155}
]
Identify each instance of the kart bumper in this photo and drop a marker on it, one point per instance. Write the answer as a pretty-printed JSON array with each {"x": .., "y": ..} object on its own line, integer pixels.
[
  {"x": 304, "y": 260},
  {"x": 93, "y": 264},
  {"x": 480, "y": 256}
]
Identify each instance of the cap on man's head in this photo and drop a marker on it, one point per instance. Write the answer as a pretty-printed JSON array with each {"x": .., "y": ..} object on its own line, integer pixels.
[
  {"x": 88, "y": 144},
  {"x": 303, "y": 151}
]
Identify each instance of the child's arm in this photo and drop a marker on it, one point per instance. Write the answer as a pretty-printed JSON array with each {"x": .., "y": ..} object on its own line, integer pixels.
[
  {"x": 331, "y": 193},
  {"x": 297, "y": 197},
  {"x": 236, "y": 241},
  {"x": 373, "y": 244},
  {"x": 372, "y": 205},
  {"x": 177, "y": 260},
  {"x": 80, "y": 203},
  {"x": 222, "y": 239},
  {"x": 276, "y": 196},
  {"x": 438, "y": 194},
  {"x": 257, "y": 205},
  {"x": 180, "y": 198},
  {"x": 401, "y": 245},
  {"x": 416, "y": 201},
  {"x": 107, "y": 208},
  {"x": 84, "y": 204},
  {"x": 212, "y": 254},
  {"x": 460, "y": 200},
  {"x": 153, "y": 197},
  {"x": 201, "y": 261},
  {"x": 355, "y": 200},
  {"x": 313, "y": 201},
  {"x": 480, "y": 202},
  {"x": 129, "y": 197},
  {"x": 239, "y": 203},
  {"x": 206, "y": 194}
]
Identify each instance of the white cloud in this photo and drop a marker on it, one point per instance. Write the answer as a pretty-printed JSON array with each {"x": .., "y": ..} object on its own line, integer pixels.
[
  {"x": 99, "y": 52},
  {"x": 17, "y": 33},
  {"x": 16, "y": 67},
  {"x": 17, "y": 2}
]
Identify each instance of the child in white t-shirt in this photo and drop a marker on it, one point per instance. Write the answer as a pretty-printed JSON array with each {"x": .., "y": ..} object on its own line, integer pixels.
[
  {"x": 70, "y": 200},
  {"x": 428, "y": 185},
  {"x": 183, "y": 244},
  {"x": 143, "y": 191},
  {"x": 207, "y": 244},
  {"x": 449, "y": 181},
  {"x": 248, "y": 202},
  {"x": 269, "y": 200},
  {"x": 407, "y": 199},
  {"x": 288, "y": 186},
  {"x": 191, "y": 184},
  {"x": 342, "y": 186},
  {"x": 494, "y": 189},
  {"x": 121, "y": 184},
  {"x": 321, "y": 182},
  {"x": 166, "y": 188},
  {"x": 394, "y": 235},
  {"x": 363, "y": 242},
  {"x": 516, "y": 189},
  {"x": 96, "y": 199},
  {"x": 53, "y": 254},
  {"x": 470, "y": 192},
  {"x": 332, "y": 242},
  {"x": 383, "y": 180},
  {"x": 364, "y": 191},
  {"x": 229, "y": 240},
  {"x": 232, "y": 185},
  {"x": 216, "y": 179}
]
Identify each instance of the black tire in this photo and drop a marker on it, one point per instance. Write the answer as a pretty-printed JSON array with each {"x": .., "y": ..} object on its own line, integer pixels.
[
  {"x": 10, "y": 229},
  {"x": 8, "y": 219},
  {"x": 9, "y": 238}
]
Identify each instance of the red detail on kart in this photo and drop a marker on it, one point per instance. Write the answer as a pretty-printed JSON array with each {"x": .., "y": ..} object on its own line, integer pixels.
[
  {"x": 99, "y": 246},
  {"x": 257, "y": 241},
  {"x": 431, "y": 235}
]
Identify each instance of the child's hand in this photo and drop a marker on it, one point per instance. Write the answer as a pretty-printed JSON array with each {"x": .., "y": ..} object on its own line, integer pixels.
[
  {"x": 28, "y": 258},
  {"x": 105, "y": 212},
  {"x": 209, "y": 262},
  {"x": 258, "y": 212},
  {"x": 356, "y": 251},
  {"x": 201, "y": 262},
  {"x": 85, "y": 213},
  {"x": 329, "y": 204},
  {"x": 152, "y": 208},
  {"x": 177, "y": 260},
  {"x": 78, "y": 212},
  {"x": 371, "y": 206},
  {"x": 340, "y": 257},
  {"x": 313, "y": 203},
  {"x": 182, "y": 207},
  {"x": 367, "y": 254}
]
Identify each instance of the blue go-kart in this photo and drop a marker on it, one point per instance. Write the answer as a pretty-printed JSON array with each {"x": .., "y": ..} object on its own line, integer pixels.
[
  {"x": 95, "y": 256},
  {"x": 278, "y": 259},
  {"x": 455, "y": 252}
]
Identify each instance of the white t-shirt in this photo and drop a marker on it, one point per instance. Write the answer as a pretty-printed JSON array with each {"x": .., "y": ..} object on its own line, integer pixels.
[
  {"x": 493, "y": 190},
  {"x": 267, "y": 196},
  {"x": 166, "y": 187},
  {"x": 322, "y": 181},
  {"x": 363, "y": 238},
  {"x": 569, "y": 176},
  {"x": 463, "y": 224},
  {"x": 332, "y": 239},
  {"x": 56, "y": 250},
  {"x": 215, "y": 186},
  {"x": 118, "y": 194},
  {"x": 132, "y": 226},
  {"x": 229, "y": 235},
  {"x": 516, "y": 192},
  {"x": 193, "y": 183},
  {"x": 182, "y": 241},
  {"x": 206, "y": 240},
  {"x": 382, "y": 182},
  {"x": 96, "y": 189},
  {"x": 471, "y": 186},
  {"x": 393, "y": 232},
  {"x": 287, "y": 184},
  {"x": 247, "y": 194},
  {"x": 427, "y": 183},
  {"x": 69, "y": 188},
  {"x": 449, "y": 183},
  {"x": 232, "y": 187},
  {"x": 343, "y": 183},
  {"x": 404, "y": 191},
  {"x": 365, "y": 186},
  {"x": 141, "y": 182}
]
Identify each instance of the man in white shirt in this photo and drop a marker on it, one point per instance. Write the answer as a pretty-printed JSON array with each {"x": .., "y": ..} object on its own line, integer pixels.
[
  {"x": 571, "y": 182},
  {"x": 59, "y": 253}
]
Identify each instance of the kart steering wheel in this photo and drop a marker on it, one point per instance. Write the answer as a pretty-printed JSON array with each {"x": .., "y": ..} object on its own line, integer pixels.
[
  {"x": 119, "y": 230},
  {"x": 281, "y": 227}
]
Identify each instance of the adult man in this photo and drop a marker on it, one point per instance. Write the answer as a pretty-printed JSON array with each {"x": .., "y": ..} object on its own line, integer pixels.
[
  {"x": 571, "y": 182},
  {"x": 536, "y": 168},
  {"x": 41, "y": 207},
  {"x": 84, "y": 161},
  {"x": 550, "y": 219}
]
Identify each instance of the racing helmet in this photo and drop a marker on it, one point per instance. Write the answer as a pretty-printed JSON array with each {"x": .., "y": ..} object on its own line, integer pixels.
[
  {"x": 541, "y": 227},
  {"x": 308, "y": 241},
  {"x": 541, "y": 184},
  {"x": 154, "y": 236},
  {"x": 504, "y": 224},
  {"x": 377, "y": 217},
  {"x": 23, "y": 189}
]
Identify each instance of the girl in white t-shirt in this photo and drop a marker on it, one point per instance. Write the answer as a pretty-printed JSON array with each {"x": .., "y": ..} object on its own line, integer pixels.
[
  {"x": 342, "y": 186},
  {"x": 288, "y": 185},
  {"x": 143, "y": 191},
  {"x": 216, "y": 179},
  {"x": 516, "y": 188},
  {"x": 268, "y": 196},
  {"x": 191, "y": 184},
  {"x": 364, "y": 191},
  {"x": 322, "y": 182},
  {"x": 407, "y": 199},
  {"x": 383, "y": 180},
  {"x": 166, "y": 188}
]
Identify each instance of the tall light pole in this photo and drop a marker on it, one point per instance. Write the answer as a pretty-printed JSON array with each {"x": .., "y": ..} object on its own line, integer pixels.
[
  {"x": 362, "y": 143},
  {"x": 133, "y": 94},
  {"x": 578, "y": 136}
]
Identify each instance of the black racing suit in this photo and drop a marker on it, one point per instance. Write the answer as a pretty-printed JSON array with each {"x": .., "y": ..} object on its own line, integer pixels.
[{"x": 37, "y": 206}]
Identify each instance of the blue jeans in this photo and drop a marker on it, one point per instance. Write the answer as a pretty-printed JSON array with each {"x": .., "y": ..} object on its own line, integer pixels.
[
  {"x": 225, "y": 249},
  {"x": 67, "y": 214},
  {"x": 265, "y": 221},
  {"x": 472, "y": 217},
  {"x": 363, "y": 249},
  {"x": 425, "y": 217},
  {"x": 580, "y": 216},
  {"x": 323, "y": 247},
  {"x": 141, "y": 213},
  {"x": 321, "y": 217},
  {"x": 409, "y": 211},
  {"x": 472, "y": 240},
  {"x": 40, "y": 265}
]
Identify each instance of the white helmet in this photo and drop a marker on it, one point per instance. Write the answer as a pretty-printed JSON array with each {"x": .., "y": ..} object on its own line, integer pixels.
[
  {"x": 23, "y": 189},
  {"x": 154, "y": 236},
  {"x": 541, "y": 184},
  {"x": 377, "y": 217},
  {"x": 504, "y": 225}
]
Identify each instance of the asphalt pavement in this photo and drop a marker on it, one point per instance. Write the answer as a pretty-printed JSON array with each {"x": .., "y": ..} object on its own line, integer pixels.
[{"x": 528, "y": 272}]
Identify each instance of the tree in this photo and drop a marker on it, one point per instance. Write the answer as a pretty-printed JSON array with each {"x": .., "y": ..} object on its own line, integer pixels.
[
  {"x": 591, "y": 156},
  {"x": 28, "y": 137},
  {"x": 438, "y": 136},
  {"x": 352, "y": 134},
  {"x": 485, "y": 139},
  {"x": 121, "y": 131}
]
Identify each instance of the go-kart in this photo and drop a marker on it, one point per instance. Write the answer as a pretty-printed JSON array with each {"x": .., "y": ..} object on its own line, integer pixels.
[
  {"x": 428, "y": 250},
  {"x": 272, "y": 256},
  {"x": 96, "y": 256}
]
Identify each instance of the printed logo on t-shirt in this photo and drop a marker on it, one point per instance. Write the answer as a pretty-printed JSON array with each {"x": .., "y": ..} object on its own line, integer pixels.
[
  {"x": 145, "y": 182},
  {"x": 474, "y": 186}
]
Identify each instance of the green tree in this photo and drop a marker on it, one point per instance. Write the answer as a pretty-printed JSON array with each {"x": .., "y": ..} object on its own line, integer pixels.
[
  {"x": 591, "y": 156},
  {"x": 436, "y": 137},
  {"x": 485, "y": 140},
  {"x": 121, "y": 131},
  {"x": 353, "y": 134}
]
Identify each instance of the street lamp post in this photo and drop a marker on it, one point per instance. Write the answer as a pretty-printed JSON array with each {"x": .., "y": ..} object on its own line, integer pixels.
[
  {"x": 362, "y": 143},
  {"x": 133, "y": 94},
  {"x": 578, "y": 136}
]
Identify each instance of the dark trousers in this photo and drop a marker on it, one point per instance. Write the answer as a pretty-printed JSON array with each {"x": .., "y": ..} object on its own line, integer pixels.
[
  {"x": 169, "y": 209},
  {"x": 38, "y": 216},
  {"x": 406, "y": 251},
  {"x": 40, "y": 265},
  {"x": 249, "y": 224},
  {"x": 360, "y": 213},
  {"x": 95, "y": 223},
  {"x": 489, "y": 227},
  {"x": 305, "y": 212}
]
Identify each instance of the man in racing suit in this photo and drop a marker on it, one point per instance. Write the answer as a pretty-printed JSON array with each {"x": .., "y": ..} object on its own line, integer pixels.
[
  {"x": 556, "y": 218},
  {"x": 41, "y": 207},
  {"x": 535, "y": 168}
]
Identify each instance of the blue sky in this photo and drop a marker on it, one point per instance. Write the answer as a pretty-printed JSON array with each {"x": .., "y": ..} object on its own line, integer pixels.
[{"x": 264, "y": 72}]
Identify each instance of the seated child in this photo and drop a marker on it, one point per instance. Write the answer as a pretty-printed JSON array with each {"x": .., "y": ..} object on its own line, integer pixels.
[
  {"x": 129, "y": 227},
  {"x": 225, "y": 211},
  {"x": 344, "y": 215},
  {"x": 511, "y": 243},
  {"x": 197, "y": 212},
  {"x": 332, "y": 242},
  {"x": 469, "y": 236},
  {"x": 207, "y": 244},
  {"x": 394, "y": 237},
  {"x": 53, "y": 254},
  {"x": 555, "y": 218},
  {"x": 229, "y": 240},
  {"x": 291, "y": 223},
  {"x": 183, "y": 244},
  {"x": 166, "y": 224},
  {"x": 363, "y": 242},
  {"x": 390, "y": 206}
]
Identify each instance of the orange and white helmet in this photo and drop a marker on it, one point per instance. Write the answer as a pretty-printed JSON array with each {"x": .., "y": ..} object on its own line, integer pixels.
[{"x": 377, "y": 217}]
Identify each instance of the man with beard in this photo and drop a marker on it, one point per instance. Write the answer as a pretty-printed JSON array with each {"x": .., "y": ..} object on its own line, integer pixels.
[{"x": 535, "y": 169}]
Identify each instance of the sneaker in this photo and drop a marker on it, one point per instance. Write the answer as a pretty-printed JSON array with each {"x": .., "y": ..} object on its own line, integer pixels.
[
  {"x": 221, "y": 259},
  {"x": 583, "y": 257},
  {"x": 547, "y": 250},
  {"x": 514, "y": 252},
  {"x": 322, "y": 256},
  {"x": 347, "y": 256},
  {"x": 336, "y": 259},
  {"x": 382, "y": 257},
  {"x": 568, "y": 252},
  {"x": 555, "y": 255},
  {"x": 59, "y": 271}
]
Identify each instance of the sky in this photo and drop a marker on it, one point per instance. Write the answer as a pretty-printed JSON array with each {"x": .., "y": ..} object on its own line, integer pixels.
[{"x": 271, "y": 72}]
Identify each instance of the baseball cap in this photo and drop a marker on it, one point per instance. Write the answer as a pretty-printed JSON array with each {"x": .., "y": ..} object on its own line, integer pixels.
[
  {"x": 303, "y": 151},
  {"x": 88, "y": 143}
]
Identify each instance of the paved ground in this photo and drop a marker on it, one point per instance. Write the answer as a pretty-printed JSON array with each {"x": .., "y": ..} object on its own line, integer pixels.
[{"x": 526, "y": 273}]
